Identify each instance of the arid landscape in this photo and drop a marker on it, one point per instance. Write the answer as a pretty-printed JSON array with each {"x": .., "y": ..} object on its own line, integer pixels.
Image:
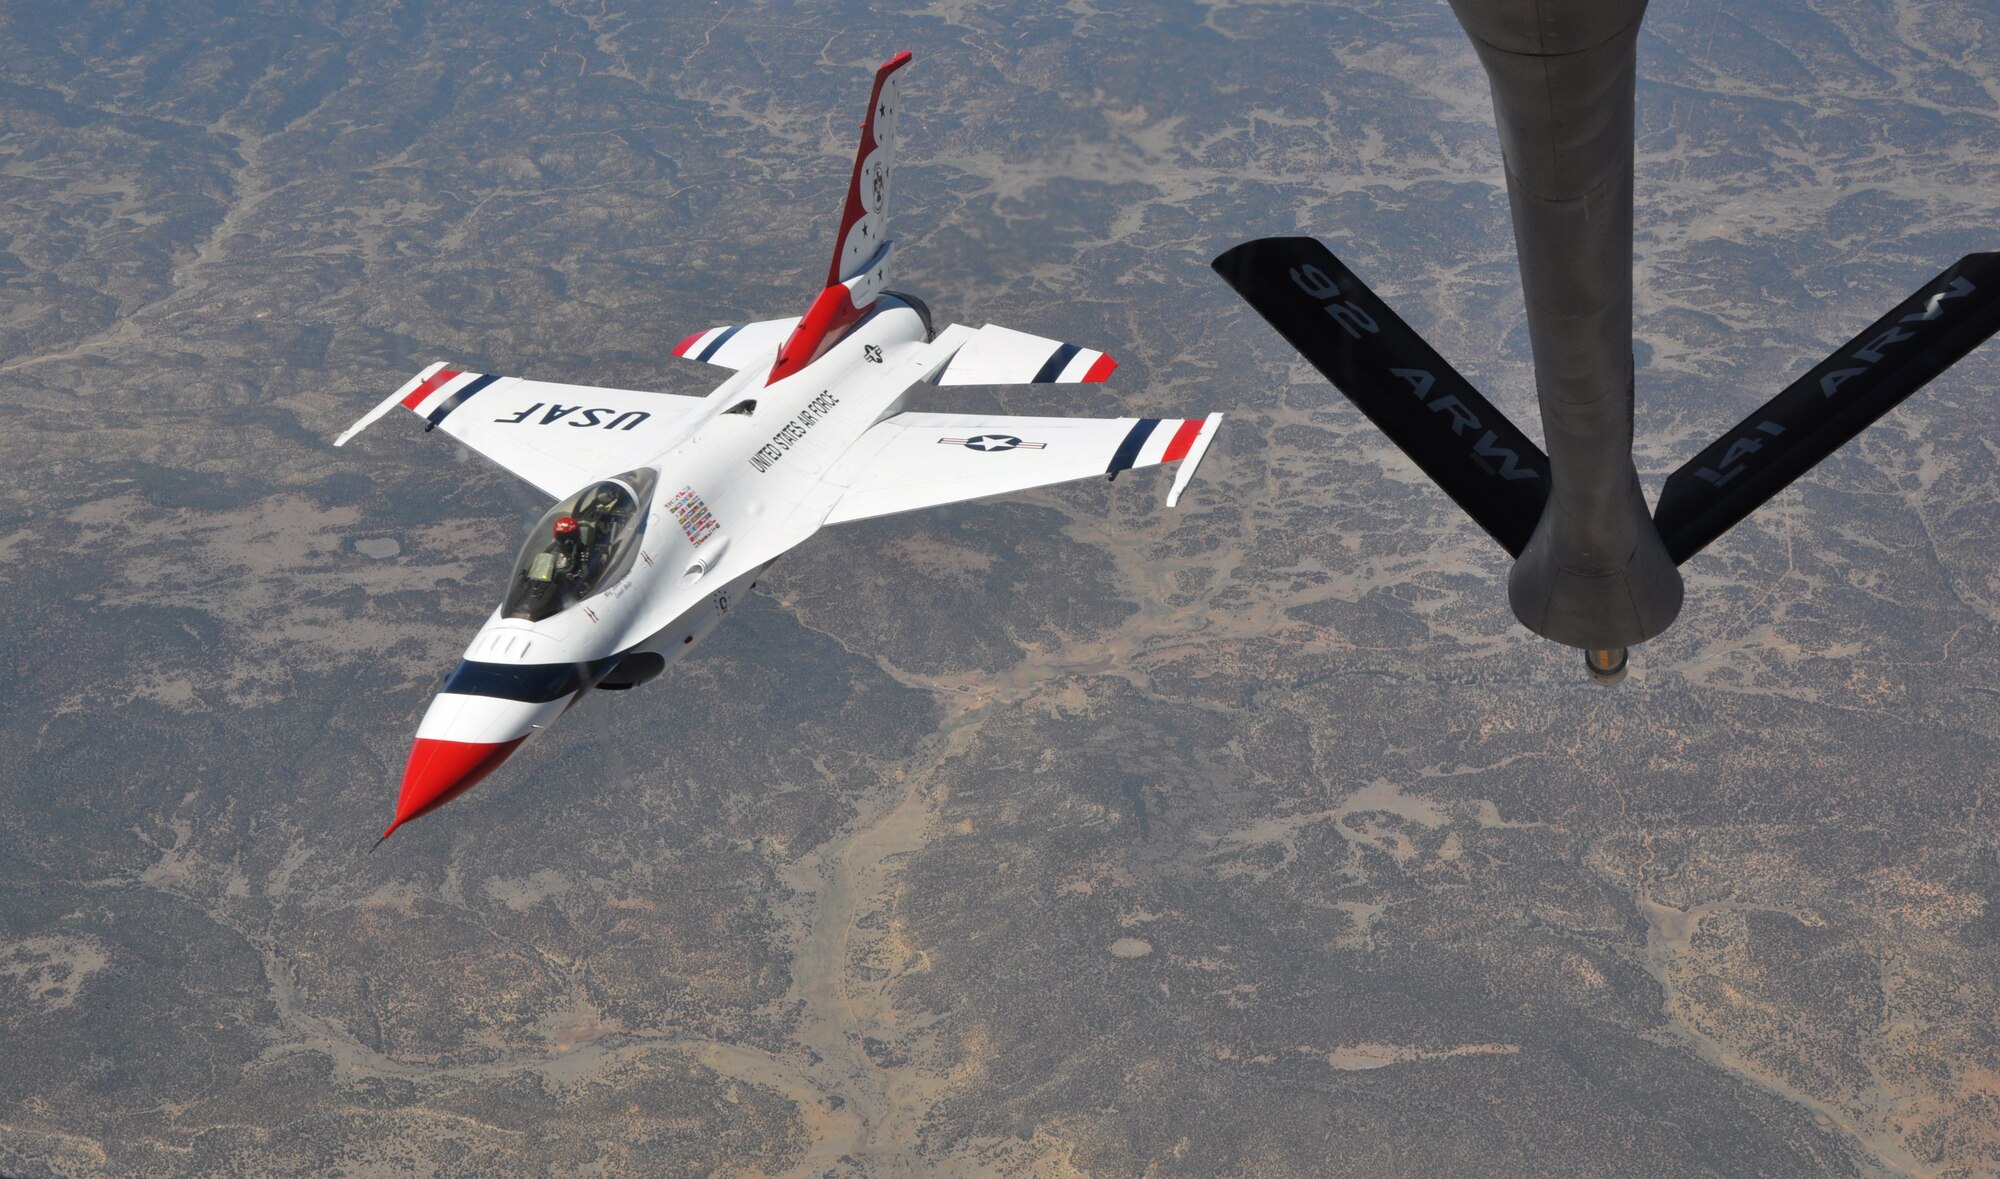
[{"x": 1064, "y": 835}]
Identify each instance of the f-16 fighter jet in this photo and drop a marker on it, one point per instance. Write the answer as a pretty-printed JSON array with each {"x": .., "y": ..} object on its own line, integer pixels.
[
  {"x": 1592, "y": 568},
  {"x": 667, "y": 508}
]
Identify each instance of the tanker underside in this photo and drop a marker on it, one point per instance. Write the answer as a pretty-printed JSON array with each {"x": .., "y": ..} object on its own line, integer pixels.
[{"x": 1593, "y": 568}]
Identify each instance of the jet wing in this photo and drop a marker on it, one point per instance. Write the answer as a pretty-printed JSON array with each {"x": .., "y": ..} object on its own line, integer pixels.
[
  {"x": 922, "y": 460},
  {"x": 557, "y": 437},
  {"x": 738, "y": 346}
]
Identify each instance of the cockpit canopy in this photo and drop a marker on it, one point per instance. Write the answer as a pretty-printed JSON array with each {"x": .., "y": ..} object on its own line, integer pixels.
[{"x": 585, "y": 544}]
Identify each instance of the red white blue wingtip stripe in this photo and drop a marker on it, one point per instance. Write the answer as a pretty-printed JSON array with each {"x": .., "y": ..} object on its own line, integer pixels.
[
  {"x": 702, "y": 345},
  {"x": 1065, "y": 363},
  {"x": 1070, "y": 363},
  {"x": 1151, "y": 441},
  {"x": 439, "y": 390},
  {"x": 428, "y": 382}
]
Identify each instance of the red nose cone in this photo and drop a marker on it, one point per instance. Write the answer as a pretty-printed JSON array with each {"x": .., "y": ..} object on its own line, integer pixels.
[{"x": 440, "y": 771}]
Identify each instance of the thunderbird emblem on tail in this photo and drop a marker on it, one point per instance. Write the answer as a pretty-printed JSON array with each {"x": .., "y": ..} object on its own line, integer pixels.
[{"x": 668, "y": 508}]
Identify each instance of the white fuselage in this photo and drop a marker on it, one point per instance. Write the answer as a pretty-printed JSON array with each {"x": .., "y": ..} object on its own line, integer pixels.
[{"x": 766, "y": 480}]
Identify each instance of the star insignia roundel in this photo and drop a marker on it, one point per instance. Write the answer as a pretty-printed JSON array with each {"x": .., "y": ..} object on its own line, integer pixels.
[{"x": 993, "y": 442}]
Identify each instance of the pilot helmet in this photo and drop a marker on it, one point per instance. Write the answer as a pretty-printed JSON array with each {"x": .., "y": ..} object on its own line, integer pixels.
[{"x": 565, "y": 525}]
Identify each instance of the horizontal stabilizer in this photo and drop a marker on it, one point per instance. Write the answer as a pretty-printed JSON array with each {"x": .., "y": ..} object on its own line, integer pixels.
[
  {"x": 1818, "y": 413},
  {"x": 1468, "y": 447},
  {"x": 738, "y": 346},
  {"x": 1002, "y": 356}
]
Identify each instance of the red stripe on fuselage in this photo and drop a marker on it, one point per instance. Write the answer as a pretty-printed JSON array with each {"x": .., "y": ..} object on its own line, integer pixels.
[
  {"x": 429, "y": 387},
  {"x": 1100, "y": 368},
  {"x": 823, "y": 326},
  {"x": 1183, "y": 441}
]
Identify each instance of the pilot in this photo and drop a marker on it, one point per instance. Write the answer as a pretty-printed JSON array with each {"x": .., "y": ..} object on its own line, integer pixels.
[
  {"x": 601, "y": 515},
  {"x": 602, "y": 508},
  {"x": 567, "y": 548}
]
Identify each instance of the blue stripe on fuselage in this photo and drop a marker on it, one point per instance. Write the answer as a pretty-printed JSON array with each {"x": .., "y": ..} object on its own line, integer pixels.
[{"x": 529, "y": 683}]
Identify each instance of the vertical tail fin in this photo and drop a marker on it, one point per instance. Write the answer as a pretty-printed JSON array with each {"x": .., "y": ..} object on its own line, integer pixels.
[
  {"x": 864, "y": 220},
  {"x": 861, "y": 251}
]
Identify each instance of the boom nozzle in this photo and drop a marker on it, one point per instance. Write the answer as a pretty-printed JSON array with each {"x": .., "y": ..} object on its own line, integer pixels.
[{"x": 1607, "y": 664}]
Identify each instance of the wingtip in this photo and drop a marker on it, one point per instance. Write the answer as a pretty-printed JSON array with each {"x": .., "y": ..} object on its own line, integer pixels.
[
  {"x": 1193, "y": 458},
  {"x": 1100, "y": 368},
  {"x": 346, "y": 436},
  {"x": 409, "y": 396}
]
